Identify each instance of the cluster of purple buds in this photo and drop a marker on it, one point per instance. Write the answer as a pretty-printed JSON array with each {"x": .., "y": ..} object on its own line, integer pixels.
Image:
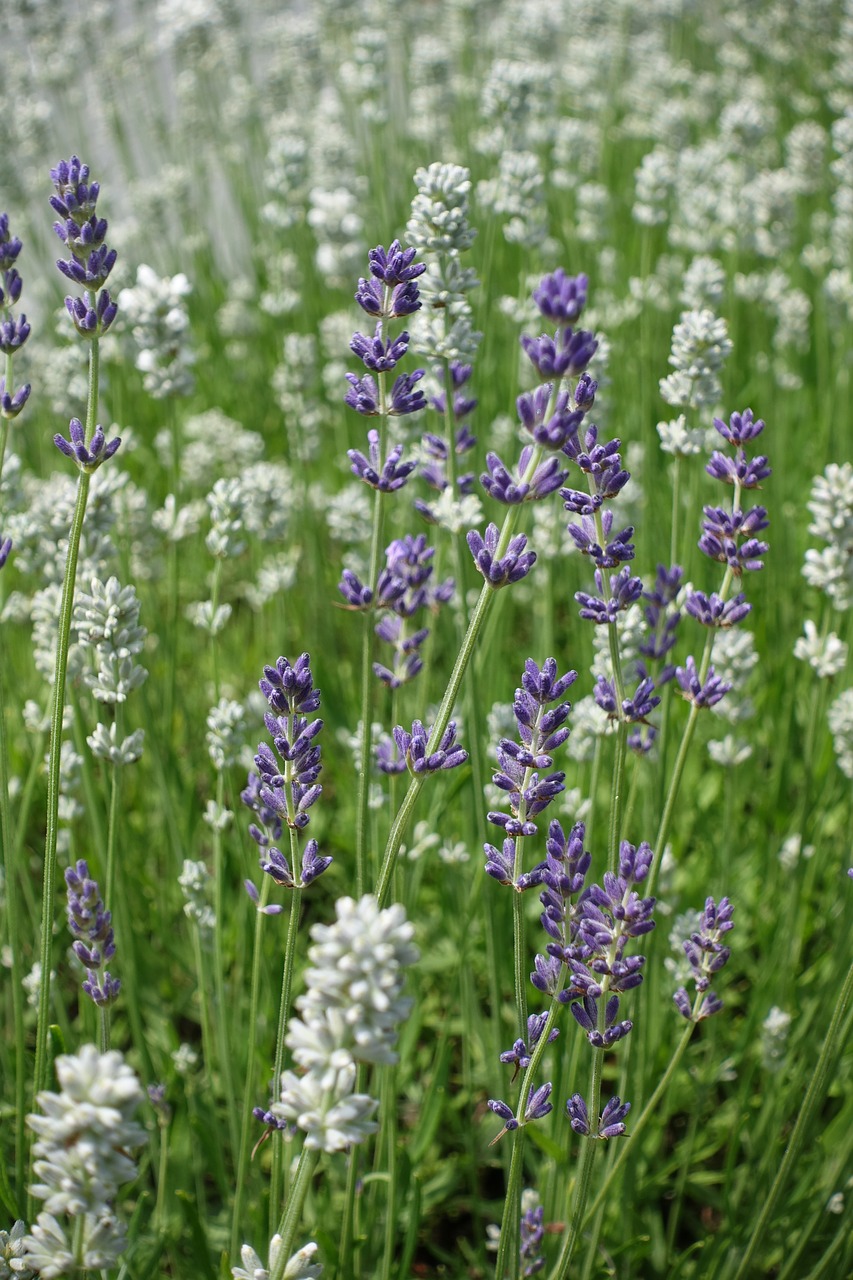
[
  {"x": 437, "y": 449},
  {"x": 86, "y": 457},
  {"x": 701, "y": 693},
  {"x": 662, "y": 617},
  {"x": 411, "y": 751},
  {"x": 561, "y": 299},
  {"x": 536, "y": 1108},
  {"x": 14, "y": 331},
  {"x": 542, "y": 729},
  {"x": 633, "y": 710},
  {"x": 91, "y": 926},
  {"x": 730, "y": 536},
  {"x": 706, "y": 955},
  {"x": 500, "y": 570},
  {"x": 403, "y": 590},
  {"x": 522, "y": 1051},
  {"x": 610, "y": 1123},
  {"x": 285, "y": 787},
  {"x": 83, "y": 233},
  {"x": 5, "y": 548},
  {"x": 389, "y": 294},
  {"x": 591, "y": 935}
]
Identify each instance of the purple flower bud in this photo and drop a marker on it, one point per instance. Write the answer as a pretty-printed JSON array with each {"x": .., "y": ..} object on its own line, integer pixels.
[
  {"x": 561, "y": 298},
  {"x": 378, "y": 354},
  {"x": 565, "y": 355},
  {"x": 87, "y": 459},
  {"x": 511, "y": 567},
  {"x": 713, "y": 611},
  {"x": 740, "y": 428},
  {"x": 701, "y": 695},
  {"x": 5, "y": 548},
  {"x": 12, "y": 404},
  {"x": 413, "y": 747},
  {"x": 386, "y": 476},
  {"x": 610, "y": 1124}
]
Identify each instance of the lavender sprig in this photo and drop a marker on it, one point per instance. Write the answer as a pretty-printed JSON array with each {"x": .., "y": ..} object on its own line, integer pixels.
[{"x": 91, "y": 926}]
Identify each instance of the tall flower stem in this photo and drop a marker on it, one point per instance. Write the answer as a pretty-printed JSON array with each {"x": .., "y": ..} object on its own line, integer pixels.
[
  {"x": 13, "y": 917},
  {"x": 289, "y": 1224},
  {"x": 222, "y": 1019},
  {"x": 283, "y": 1015},
  {"x": 248, "y": 1092},
  {"x": 478, "y": 618},
  {"x": 814, "y": 1096},
  {"x": 66, "y": 609},
  {"x": 368, "y": 653}
]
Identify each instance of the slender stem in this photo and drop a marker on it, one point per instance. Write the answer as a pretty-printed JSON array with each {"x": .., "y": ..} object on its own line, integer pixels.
[
  {"x": 508, "y": 1260},
  {"x": 66, "y": 609},
  {"x": 283, "y": 1015},
  {"x": 13, "y": 919},
  {"x": 248, "y": 1090},
  {"x": 222, "y": 1019},
  {"x": 368, "y": 650},
  {"x": 627, "y": 1146},
  {"x": 814, "y": 1095},
  {"x": 293, "y": 1211},
  {"x": 53, "y": 779}
]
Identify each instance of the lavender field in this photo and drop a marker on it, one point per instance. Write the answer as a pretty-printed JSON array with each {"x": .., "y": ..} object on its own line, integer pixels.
[{"x": 426, "y": 569}]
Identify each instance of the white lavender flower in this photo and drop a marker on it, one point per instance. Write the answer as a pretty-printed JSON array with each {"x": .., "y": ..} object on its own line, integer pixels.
[
  {"x": 226, "y": 733},
  {"x": 840, "y": 720},
  {"x": 300, "y": 1267},
  {"x": 700, "y": 348},
  {"x": 825, "y": 654},
  {"x": 203, "y": 614},
  {"x": 792, "y": 850},
  {"x": 104, "y": 744},
  {"x": 157, "y": 316},
  {"x": 349, "y": 1014},
  {"x": 194, "y": 881},
  {"x": 106, "y": 619},
  {"x": 774, "y": 1038},
  {"x": 99, "y": 1094},
  {"x": 227, "y": 502},
  {"x": 177, "y": 523},
  {"x": 830, "y": 569},
  {"x": 12, "y": 1263}
]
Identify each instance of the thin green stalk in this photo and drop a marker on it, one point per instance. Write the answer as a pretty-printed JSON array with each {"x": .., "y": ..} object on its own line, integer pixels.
[
  {"x": 388, "y": 1128},
  {"x": 814, "y": 1096},
  {"x": 248, "y": 1090},
  {"x": 508, "y": 1260},
  {"x": 291, "y": 1218},
  {"x": 283, "y": 1015},
  {"x": 222, "y": 1008},
  {"x": 368, "y": 653},
  {"x": 66, "y": 609},
  {"x": 13, "y": 918}
]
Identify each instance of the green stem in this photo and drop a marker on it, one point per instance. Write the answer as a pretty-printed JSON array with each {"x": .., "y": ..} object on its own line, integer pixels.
[
  {"x": 248, "y": 1091},
  {"x": 289, "y": 1224},
  {"x": 66, "y": 610},
  {"x": 508, "y": 1259},
  {"x": 368, "y": 651},
  {"x": 814, "y": 1095},
  {"x": 222, "y": 1008},
  {"x": 283, "y": 1015},
  {"x": 13, "y": 919}
]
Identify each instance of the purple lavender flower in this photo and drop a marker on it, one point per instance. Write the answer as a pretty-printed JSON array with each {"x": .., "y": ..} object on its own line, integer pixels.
[
  {"x": 87, "y": 458},
  {"x": 745, "y": 472},
  {"x": 406, "y": 397},
  {"x": 706, "y": 955},
  {"x": 706, "y": 694},
  {"x": 404, "y": 590},
  {"x": 386, "y": 476},
  {"x": 625, "y": 590},
  {"x": 380, "y": 354},
  {"x": 714, "y": 611},
  {"x": 616, "y": 551},
  {"x": 5, "y": 548},
  {"x": 610, "y": 1122},
  {"x": 602, "y": 463},
  {"x": 662, "y": 619},
  {"x": 83, "y": 233},
  {"x": 564, "y": 356},
  {"x": 554, "y": 429},
  {"x": 91, "y": 926},
  {"x": 561, "y": 297},
  {"x": 531, "y": 1235},
  {"x": 392, "y": 292},
  {"x": 722, "y": 531},
  {"x": 521, "y": 1052},
  {"x": 536, "y": 1107},
  {"x": 413, "y": 748},
  {"x": 741, "y": 428},
  {"x": 501, "y": 571},
  {"x": 285, "y": 786},
  {"x": 13, "y": 331},
  {"x": 585, "y": 1014},
  {"x": 633, "y": 709},
  {"x": 511, "y": 489}
]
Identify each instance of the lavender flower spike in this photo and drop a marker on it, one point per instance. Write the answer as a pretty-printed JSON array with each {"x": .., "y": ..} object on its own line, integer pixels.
[
  {"x": 701, "y": 695},
  {"x": 413, "y": 748},
  {"x": 509, "y": 568},
  {"x": 83, "y": 233},
  {"x": 706, "y": 955},
  {"x": 87, "y": 459},
  {"x": 91, "y": 926}
]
